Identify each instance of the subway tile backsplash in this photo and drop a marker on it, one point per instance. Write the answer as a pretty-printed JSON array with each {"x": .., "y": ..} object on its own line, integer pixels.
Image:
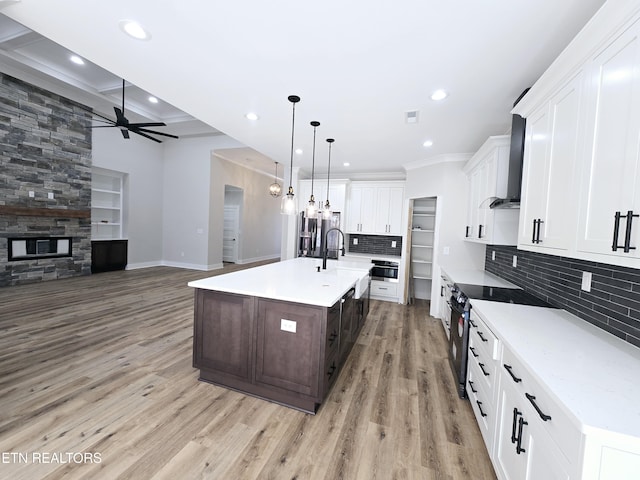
[
  {"x": 375, "y": 244},
  {"x": 613, "y": 304}
]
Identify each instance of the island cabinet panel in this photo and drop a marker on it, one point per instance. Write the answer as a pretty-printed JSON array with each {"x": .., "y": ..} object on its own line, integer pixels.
[
  {"x": 289, "y": 339},
  {"x": 223, "y": 331}
]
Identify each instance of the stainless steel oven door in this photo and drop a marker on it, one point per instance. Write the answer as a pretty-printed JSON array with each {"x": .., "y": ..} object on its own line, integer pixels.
[{"x": 458, "y": 345}]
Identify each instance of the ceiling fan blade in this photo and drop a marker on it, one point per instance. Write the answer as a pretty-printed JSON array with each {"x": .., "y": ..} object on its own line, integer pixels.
[
  {"x": 154, "y": 132},
  {"x": 136, "y": 131},
  {"x": 102, "y": 126},
  {"x": 148, "y": 124},
  {"x": 125, "y": 132}
]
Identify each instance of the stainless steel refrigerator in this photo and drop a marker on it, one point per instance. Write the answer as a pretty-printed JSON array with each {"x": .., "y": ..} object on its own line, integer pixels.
[{"x": 312, "y": 236}]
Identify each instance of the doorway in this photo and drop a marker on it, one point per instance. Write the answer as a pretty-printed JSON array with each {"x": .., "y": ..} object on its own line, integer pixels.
[{"x": 233, "y": 200}]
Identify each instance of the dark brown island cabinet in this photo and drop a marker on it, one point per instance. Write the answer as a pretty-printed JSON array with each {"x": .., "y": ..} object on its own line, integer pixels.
[{"x": 284, "y": 352}]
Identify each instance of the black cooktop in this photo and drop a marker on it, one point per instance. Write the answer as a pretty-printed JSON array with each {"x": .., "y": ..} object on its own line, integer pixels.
[{"x": 500, "y": 294}]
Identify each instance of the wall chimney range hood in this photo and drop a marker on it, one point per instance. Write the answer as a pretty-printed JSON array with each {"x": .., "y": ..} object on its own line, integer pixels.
[{"x": 516, "y": 158}]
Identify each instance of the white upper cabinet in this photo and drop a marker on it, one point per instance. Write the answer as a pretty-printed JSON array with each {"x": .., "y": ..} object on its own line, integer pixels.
[
  {"x": 375, "y": 208},
  {"x": 581, "y": 177},
  {"x": 610, "y": 200},
  {"x": 337, "y": 192},
  {"x": 548, "y": 208},
  {"x": 487, "y": 172}
]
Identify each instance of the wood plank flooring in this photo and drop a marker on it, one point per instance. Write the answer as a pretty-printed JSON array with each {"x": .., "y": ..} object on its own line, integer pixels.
[{"x": 100, "y": 366}]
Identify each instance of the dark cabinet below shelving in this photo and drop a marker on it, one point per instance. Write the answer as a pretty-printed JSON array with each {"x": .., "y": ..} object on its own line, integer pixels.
[{"x": 108, "y": 255}]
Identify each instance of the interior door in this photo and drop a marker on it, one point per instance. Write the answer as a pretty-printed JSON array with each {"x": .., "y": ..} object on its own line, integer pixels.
[{"x": 230, "y": 233}]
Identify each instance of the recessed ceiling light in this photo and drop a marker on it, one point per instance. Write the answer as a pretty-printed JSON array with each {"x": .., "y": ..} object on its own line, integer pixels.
[
  {"x": 427, "y": 143},
  {"x": 299, "y": 151},
  {"x": 251, "y": 116},
  {"x": 153, "y": 99},
  {"x": 134, "y": 29},
  {"x": 439, "y": 95},
  {"x": 76, "y": 59},
  {"x": 346, "y": 164}
]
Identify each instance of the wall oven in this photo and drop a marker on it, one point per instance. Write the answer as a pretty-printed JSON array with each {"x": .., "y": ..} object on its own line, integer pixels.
[{"x": 384, "y": 271}]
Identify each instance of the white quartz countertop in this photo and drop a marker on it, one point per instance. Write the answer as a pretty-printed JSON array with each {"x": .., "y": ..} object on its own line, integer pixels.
[
  {"x": 475, "y": 277},
  {"x": 296, "y": 280},
  {"x": 593, "y": 374}
]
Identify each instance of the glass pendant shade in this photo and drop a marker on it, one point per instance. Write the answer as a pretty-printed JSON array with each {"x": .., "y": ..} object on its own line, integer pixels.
[
  {"x": 311, "y": 211},
  {"x": 275, "y": 190},
  {"x": 288, "y": 206}
]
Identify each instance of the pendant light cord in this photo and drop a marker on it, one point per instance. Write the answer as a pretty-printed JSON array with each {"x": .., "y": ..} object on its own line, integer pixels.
[
  {"x": 293, "y": 126},
  {"x": 330, "y": 141}
]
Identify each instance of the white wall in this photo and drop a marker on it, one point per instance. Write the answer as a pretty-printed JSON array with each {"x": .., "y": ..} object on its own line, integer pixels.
[
  {"x": 260, "y": 220},
  {"x": 175, "y": 200},
  {"x": 446, "y": 181},
  {"x": 142, "y": 161}
]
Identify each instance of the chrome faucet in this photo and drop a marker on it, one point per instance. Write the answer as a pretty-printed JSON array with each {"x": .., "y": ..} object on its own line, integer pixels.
[{"x": 325, "y": 251}]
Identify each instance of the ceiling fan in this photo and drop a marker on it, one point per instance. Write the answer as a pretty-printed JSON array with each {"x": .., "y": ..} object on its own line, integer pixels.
[{"x": 125, "y": 126}]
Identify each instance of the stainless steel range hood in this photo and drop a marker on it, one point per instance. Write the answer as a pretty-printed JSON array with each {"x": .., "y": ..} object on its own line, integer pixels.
[{"x": 516, "y": 157}]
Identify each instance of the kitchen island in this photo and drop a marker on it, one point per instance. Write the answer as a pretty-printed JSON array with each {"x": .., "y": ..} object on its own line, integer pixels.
[{"x": 280, "y": 331}]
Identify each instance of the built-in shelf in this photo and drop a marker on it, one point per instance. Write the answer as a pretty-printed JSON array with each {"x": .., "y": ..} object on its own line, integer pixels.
[
  {"x": 422, "y": 240},
  {"x": 106, "y": 204}
]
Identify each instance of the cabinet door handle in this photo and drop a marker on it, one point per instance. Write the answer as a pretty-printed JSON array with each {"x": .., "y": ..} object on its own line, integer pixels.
[
  {"x": 481, "y": 365},
  {"x": 473, "y": 352},
  {"x": 332, "y": 369},
  {"x": 616, "y": 230},
  {"x": 482, "y": 336},
  {"x": 482, "y": 414},
  {"x": 466, "y": 231},
  {"x": 533, "y": 231},
  {"x": 332, "y": 338},
  {"x": 480, "y": 231},
  {"x": 471, "y": 385},
  {"x": 538, "y": 232},
  {"x": 532, "y": 399},
  {"x": 442, "y": 290},
  {"x": 509, "y": 368},
  {"x": 516, "y": 413},
  {"x": 627, "y": 236},
  {"x": 521, "y": 424},
  {"x": 472, "y": 324}
]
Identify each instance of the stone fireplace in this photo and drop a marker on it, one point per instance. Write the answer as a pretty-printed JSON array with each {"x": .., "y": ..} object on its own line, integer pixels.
[{"x": 45, "y": 185}]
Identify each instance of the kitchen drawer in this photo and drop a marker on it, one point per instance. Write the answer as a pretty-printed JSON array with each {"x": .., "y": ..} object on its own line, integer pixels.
[
  {"x": 482, "y": 403},
  {"x": 539, "y": 404},
  {"x": 384, "y": 289},
  {"x": 485, "y": 339},
  {"x": 486, "y": 366}
]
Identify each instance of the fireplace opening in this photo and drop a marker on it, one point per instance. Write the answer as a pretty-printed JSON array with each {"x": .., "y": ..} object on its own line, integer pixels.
[{"x": 30, "y": 248}]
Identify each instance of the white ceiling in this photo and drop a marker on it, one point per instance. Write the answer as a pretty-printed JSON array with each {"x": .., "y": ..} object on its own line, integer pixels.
[{"x": 358, "y": 66}]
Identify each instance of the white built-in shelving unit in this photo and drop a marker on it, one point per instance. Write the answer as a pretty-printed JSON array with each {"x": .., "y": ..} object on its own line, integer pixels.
[
  {"x": 106, "y": 204},
  {"x": 423, "y": 221}
]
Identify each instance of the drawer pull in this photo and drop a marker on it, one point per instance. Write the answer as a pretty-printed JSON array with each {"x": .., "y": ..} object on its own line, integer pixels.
[
  {"x": 473, "y": 352},
  {"x": 486, "y": 374},
  {"x": 472, "y": 324},
  {"x": 471, "y": 385},
  {"x": 508, "y": 368},
  {"x": 532, "y": 399},
  {"x": 332, "y": 338},
  {"x": 482, "y": 414},
  {"x": 519, "y": 448},
  {"x": 482, "y": 336},
  {"x": 332, "y": 370},
  {"x": 516, "y": 413}
]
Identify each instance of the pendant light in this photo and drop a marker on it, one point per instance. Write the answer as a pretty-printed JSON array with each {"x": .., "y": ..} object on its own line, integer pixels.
[
  {"x": 288, "y": 206},
  {"x": 312, "y": 211},
  {"x": 326, "y": 213},
  {"x": 275, "y": 190}
]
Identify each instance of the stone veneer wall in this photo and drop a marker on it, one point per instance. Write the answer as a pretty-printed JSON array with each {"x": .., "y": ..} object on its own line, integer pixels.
[{"x": 45, "y": 146}]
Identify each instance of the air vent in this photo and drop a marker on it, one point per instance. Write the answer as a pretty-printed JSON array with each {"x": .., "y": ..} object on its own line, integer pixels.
[{"x": 411, "y": 117}]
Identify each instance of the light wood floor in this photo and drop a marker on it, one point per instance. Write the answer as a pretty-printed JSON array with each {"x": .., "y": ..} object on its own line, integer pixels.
[{"x": 102, "y": 365}]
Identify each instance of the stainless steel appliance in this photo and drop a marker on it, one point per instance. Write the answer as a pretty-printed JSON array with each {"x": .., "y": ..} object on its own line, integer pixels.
[
  {"x": 312, "y": 235},
  {"x": 384, "y": 271},
  {"x": 460, "y": 308}
]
